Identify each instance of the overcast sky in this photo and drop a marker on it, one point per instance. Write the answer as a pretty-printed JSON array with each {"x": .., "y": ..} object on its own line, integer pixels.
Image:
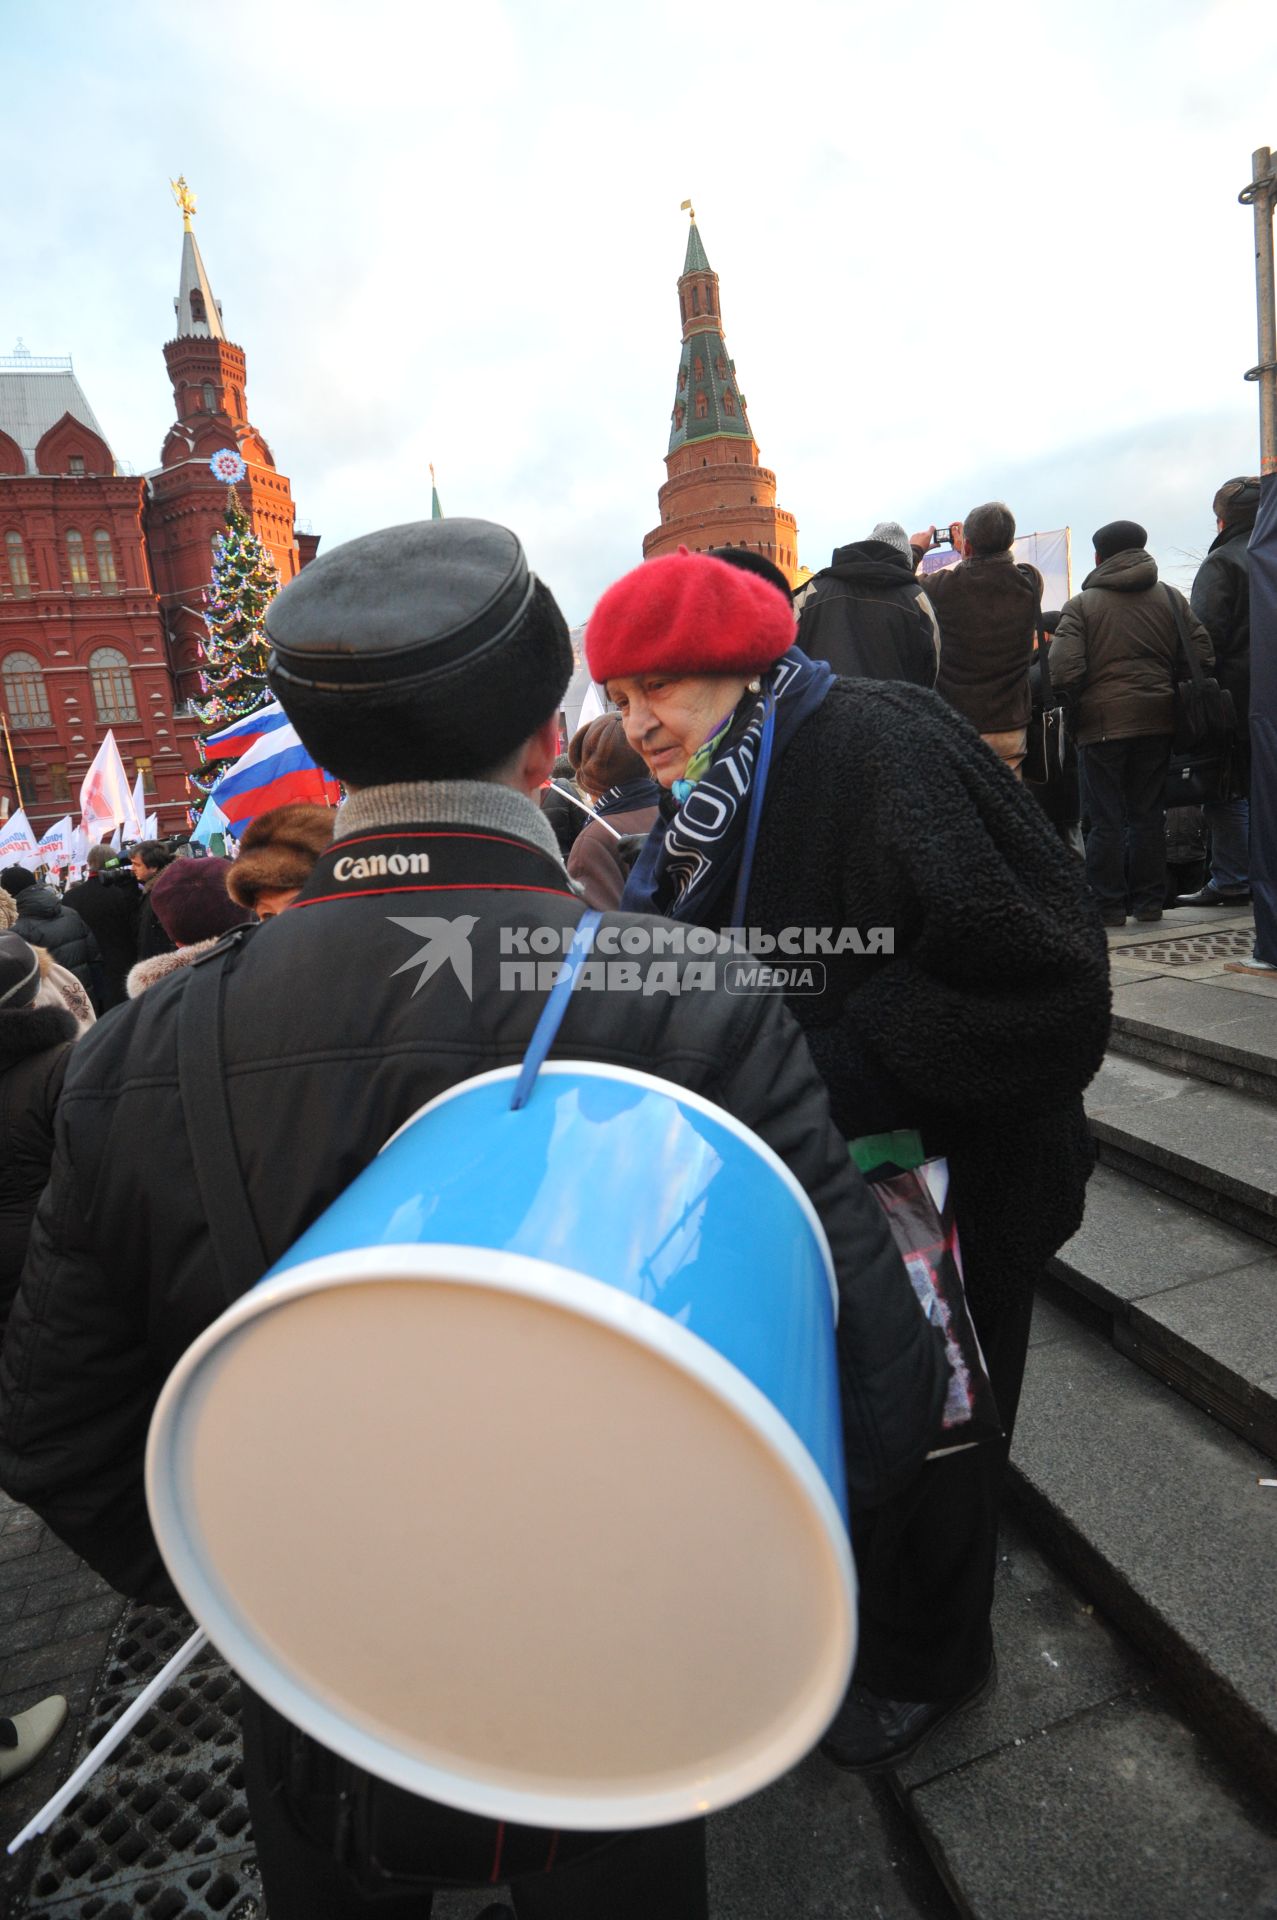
[{"x": 964, "y": 252}]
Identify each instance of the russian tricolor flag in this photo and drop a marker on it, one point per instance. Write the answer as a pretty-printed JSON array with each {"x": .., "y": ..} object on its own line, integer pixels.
[
  {"x": 269, "y": 774},
  {"x": 236, "y": 739}
]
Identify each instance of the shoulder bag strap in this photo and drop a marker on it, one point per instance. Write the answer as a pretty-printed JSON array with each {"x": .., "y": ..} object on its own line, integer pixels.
[
  {"x": 201, "y": 1075},
  {"x": 1181, "y": 633}
]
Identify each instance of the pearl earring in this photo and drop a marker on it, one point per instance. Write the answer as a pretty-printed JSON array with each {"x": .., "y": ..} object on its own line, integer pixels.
[{"x": 755, "y": 685}]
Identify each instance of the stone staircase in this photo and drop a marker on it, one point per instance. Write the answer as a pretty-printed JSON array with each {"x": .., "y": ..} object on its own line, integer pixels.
[{"x": 1133, "y": 1772}]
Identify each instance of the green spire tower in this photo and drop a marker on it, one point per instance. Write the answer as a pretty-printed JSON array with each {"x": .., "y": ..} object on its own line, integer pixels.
[{"x": 716, "y": 493}]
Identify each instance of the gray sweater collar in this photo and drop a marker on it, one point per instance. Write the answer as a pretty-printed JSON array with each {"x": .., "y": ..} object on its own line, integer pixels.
[{"x": 460, "y": 803}]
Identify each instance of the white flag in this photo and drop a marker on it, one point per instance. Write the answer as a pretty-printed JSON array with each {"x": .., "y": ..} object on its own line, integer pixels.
[
  {"x": 152, "y": 828},
  {"x": 136, "y": 827},
  {"x": 16, "y": 837},
  {"x": 55, "y": 848},
  {"x": 105, "y": 799}
]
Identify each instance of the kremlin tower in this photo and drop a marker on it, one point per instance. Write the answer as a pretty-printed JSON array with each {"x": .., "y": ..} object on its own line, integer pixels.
[
  {"x": 716, "y": 494},
  {"x": 186, "y": 504}
]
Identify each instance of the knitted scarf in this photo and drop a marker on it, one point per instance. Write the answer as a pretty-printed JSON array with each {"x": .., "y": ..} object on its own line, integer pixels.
[
  {"x": 630, "y": 796},
  {"x": 690, "y": 860}
]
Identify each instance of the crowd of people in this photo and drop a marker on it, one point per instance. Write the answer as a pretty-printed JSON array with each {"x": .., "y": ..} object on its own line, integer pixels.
[{"x": 860, "y": 758}]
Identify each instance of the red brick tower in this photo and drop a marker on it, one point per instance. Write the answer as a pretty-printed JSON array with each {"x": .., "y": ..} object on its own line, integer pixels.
[
  {"x": 186, "y": 505},
  {"x": 716, "y": 495}
]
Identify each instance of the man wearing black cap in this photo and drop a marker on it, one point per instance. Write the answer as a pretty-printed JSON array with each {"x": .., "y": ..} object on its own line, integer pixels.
[
  {"x": 1221, "y": 601},
  {"x": 424, "y": 667},
  {"x": 1116, "y": 650}
]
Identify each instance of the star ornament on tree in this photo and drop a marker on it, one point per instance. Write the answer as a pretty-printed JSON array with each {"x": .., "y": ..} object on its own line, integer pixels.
[{"x": 227, "y": 466}]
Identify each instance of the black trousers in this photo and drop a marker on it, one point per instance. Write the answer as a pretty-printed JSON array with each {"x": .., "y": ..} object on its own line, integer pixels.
[
  {"x": 1124, "y": 794},
  {"x": 385, "y": 1854},
  {"x": 926, "y": 1559}
]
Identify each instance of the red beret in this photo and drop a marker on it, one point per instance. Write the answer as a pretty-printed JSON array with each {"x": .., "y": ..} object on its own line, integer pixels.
[{"x": 687, "y": 613}]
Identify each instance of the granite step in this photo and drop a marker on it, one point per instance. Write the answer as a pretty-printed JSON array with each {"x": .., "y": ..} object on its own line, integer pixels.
[
  {"x": 1160, "y": 1516},
  {"x": 1211, "y": 1146},
  {"x": 1207, "y": 1031},
  {"x": 1078, "y": 1787},
  {"x": 1190, "y": 1299}
]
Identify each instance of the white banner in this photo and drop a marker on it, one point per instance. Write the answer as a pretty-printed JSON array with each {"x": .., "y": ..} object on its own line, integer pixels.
[
  {"x": 1049, "y": 553},
  {"x": 17, "y": 841}
]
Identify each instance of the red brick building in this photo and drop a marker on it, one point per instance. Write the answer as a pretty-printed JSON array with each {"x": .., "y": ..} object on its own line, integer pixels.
[
  {"x": 716, "y": 495},
  {"x": 101, "y": 571}
]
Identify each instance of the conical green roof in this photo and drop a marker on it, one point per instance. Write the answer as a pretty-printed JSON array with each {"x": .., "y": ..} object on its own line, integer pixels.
[
  {"x": 695, "y": 261},
  {"x": 708, "y": 400}
]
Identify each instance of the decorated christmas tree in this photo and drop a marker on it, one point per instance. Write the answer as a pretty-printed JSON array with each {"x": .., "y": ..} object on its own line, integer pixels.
[{"x": 234, "y": 653}]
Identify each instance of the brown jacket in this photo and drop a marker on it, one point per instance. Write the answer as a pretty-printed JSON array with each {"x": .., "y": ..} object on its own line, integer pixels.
[
  {"x": 593, "y": 861},
  {"x": 1116, "y": 647},
  {"x": 987, "y": 609}
]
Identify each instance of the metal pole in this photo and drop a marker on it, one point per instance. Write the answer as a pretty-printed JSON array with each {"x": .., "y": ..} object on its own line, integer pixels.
[
  {"x": 13, "y": 765},
  {"x": 1262, "y": 195}
]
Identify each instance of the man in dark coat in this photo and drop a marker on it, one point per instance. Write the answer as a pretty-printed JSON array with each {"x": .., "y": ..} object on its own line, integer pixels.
[
  {"x": 46, "y": 921},
  {"x": 976, "y": 1018},
  {"x": 147, "y": 862},
  {"x": 987, "y": 608},
  {"x": 1115, "y": 655},
  {"x": 34, "y": 1043},
  {"x": 425, "y": 651},
  {"x": 1221, "y": 600},
  {"x": 867, "y": 614},
  {"x": 108, "y": 902}
]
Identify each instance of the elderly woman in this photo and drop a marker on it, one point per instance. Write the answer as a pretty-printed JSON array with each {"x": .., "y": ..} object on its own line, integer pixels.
[
  {"x": 624, "y": 795},
  {"x": 960, "y": 988}
]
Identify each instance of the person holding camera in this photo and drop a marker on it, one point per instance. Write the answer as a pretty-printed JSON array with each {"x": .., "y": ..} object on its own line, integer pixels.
[{"x": 988, "y": 612}]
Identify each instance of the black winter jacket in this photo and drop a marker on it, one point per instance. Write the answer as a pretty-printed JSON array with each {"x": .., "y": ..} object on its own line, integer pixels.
[
  {"x": 1221, "y": 600},
  {"x": 34, "y": 1044},
  {"x": 46, "y": 921},
  {"x": 1117, "y": 649},
  {"x": 868, "y": 616},
  {"x": 990, "y": 1014},
  {"x": 109, "y": 907},
  {"x": 329, "y": 1048}
]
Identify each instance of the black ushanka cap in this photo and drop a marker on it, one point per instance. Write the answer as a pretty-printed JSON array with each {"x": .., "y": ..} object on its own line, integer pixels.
[{"x": 405, "y": 607}]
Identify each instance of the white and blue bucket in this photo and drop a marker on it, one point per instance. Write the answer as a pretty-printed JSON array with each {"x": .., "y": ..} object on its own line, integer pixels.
[{"x": 519, "y": 1481}]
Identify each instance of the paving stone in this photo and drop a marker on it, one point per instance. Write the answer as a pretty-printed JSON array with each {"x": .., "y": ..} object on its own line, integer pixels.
[
  {"x": 1119, "y": 1814},
  {"x": 1055, "y": 1657},
  {"x": 1212, "y": 1142},
  {"x": 29, "y": 1630},
  {"x": 81, "y": 1583},
  {"x": 1155, "y": 1509},
  {"x": 1135, "y": 1242},
  {"x": 1259, "y": 983},
  {"x": 52, "y": 1664}
]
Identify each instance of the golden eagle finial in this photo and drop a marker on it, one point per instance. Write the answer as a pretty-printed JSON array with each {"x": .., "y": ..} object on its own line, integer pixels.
[
  {"x": 685, "y": 206},
  {"x": 185, "y": 200}
]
